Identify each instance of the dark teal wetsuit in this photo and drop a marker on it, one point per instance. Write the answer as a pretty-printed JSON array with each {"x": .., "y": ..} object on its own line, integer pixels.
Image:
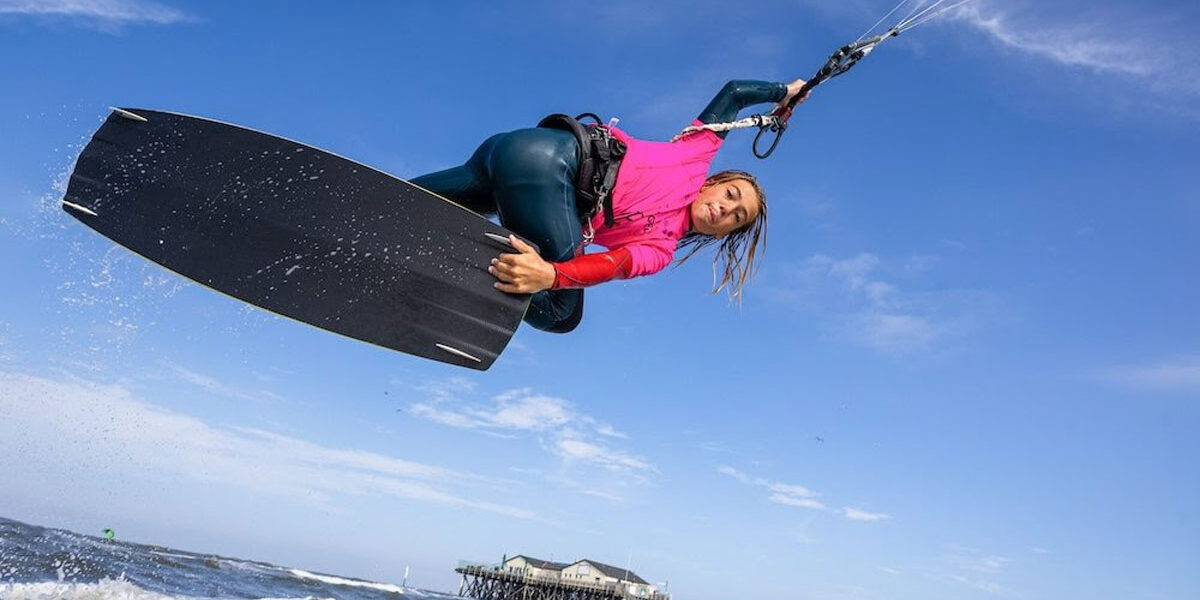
[{"x": 527, "y": 178}]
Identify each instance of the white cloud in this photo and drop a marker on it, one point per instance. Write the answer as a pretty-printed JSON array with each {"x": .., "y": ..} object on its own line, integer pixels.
[
  {"x": 788, "y": 500},
  {"x": 867, "y": 310},
  {"x": 990, "y": 587},
  {"x": 1135, "y": 44},
  {"x": 525, "y": 410},
  {"x": 791, "y": 490},
  {"x": 891, "y": 333},
  {"x": 1171, "y": 374},
  {"x": 974, "y": 569},
  {"x": 522, "y": 410},
  {"x": 105, "y": 14},
  {"x": 742, "y": 477},
  {"x": 104, "y": 429},
  {"x": 797, "y": 495},
  {"x": 972, "y": 561},
  {"x": 609, "y": 431},
  {"x": 1130, "y": 41},
  {"x": 214, "y": 386},
  {"x": 614, "y": 498},
  {"x": 855, "y": 514},
  {"x": 519, "y": 409},
  {"x": 780, "y": 493},
  {"x": 571, "y": 448},
  {"x": 1072, "y": 44}
]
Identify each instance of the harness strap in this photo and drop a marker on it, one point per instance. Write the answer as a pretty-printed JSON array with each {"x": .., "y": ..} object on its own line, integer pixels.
[{"x": 600, "y": 157}]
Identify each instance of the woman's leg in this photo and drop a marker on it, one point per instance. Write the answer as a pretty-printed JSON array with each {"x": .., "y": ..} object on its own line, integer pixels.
[
  {"x": 532, "y": 172},
  {"x": 467, "y": 185},
  {"x": 527, "y": 177}
]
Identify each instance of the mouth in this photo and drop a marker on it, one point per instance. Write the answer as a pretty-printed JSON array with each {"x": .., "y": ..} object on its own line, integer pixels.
[{"x": 712, "y": 215}]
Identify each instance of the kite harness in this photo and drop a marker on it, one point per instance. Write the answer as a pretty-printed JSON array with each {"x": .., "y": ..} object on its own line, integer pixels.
[{"x": 600, "y": 157}]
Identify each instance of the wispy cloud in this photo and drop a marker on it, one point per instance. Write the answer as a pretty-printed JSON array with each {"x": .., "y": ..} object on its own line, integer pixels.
[
  {"x": 101, "y": 14},
  {"x": 855, "y": 514},
  {"x": 1128, "y": 42},
  {"x": 797, "y": 501},
  {"x": 974, "y": 569},
  {"x": 1072, "y": 43},
  {"x": 982, "y": 585},
  {"x": 215, "y": 386},
  {"x": 866, "y": 308},
  {"x": 798, "y": 496},
  {"x": 570, "y": 434},
  {"x": 780, "y": 493},
  {"x": 1181, "y": 373},
  {"x": 520, "y": 410},
  {"x": 86, "y": 425},
  {"x": 614, "y": 498},
  {"x": 571, "y": 447}
]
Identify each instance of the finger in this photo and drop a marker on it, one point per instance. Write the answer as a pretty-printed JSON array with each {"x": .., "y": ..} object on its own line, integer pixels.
[
  {"x": 508, "y": 287},
  {"x": 507, "y": 265},
  {"x": 501, "y": 273},
  {"x": 520, "y": 244}
]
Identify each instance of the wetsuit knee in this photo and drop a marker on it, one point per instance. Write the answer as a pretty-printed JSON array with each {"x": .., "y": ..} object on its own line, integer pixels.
[{"x": 555, "y": 311}]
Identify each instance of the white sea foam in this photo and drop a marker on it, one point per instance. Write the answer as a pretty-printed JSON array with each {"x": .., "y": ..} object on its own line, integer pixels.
[
  {"x": 173, "y": 554},
  {"x": 105, "y": 589},
  {"x": 386, "y": 587}
]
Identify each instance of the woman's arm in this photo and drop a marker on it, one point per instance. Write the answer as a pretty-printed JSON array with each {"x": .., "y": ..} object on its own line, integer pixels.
[
  {"x": 526, "y": 272},
  {"x": 739, "y": 94},
  {"x": 589, "y": 269}
]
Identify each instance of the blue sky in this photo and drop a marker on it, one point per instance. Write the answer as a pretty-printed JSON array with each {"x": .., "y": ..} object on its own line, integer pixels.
[{"x": 969, "y": 366}]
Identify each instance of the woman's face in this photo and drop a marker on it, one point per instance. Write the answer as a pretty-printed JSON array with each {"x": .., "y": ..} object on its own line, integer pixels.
[{"x": 723, "y": 207}]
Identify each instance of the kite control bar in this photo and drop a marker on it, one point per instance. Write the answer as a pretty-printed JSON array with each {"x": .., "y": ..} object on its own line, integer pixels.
[{"x": 839, "y": 62}]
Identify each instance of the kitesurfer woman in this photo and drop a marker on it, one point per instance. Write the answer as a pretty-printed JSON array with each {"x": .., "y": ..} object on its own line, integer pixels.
[{"x": 663, "y": 200}]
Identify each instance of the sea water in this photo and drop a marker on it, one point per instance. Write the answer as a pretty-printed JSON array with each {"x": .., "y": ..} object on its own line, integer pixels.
[{"x": 38, "y": 563}]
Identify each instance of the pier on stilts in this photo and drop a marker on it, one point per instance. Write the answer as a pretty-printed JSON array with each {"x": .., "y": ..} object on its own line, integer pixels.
[{"x": 482, "y": 582}]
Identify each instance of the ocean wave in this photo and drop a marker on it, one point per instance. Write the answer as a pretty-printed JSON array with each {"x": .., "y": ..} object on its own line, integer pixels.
[
  {"x": 386, "y": 587},
  {"x": 105, "y": 589}
]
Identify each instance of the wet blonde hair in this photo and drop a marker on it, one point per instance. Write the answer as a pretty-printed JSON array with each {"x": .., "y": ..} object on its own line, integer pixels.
[{"x": 737, "y": 249}]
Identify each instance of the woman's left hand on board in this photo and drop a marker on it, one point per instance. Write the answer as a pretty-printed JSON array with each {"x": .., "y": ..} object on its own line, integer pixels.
[{"x": 523, "y": 273}]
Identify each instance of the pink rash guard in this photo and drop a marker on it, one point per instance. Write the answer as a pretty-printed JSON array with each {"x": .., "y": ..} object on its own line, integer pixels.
[{"x": 655, "y": 187}]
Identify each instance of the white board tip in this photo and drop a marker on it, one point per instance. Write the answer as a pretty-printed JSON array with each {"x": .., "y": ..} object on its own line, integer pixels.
[
  {"x": 127, "y": 114},
  {"x": 82, "y": 209},
  {"x": 457, "y": 352}
]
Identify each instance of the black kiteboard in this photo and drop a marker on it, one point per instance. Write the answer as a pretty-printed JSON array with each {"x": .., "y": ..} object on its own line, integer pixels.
[{"x": 299, "y": 232}]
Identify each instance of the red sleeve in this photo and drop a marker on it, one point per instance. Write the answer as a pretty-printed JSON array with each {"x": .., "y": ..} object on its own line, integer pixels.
[{"x": 590, "y": 269}]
